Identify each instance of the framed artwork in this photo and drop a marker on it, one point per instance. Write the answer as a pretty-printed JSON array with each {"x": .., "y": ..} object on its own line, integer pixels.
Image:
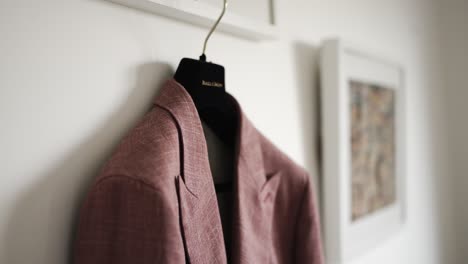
[
  {"x": 248, "y": 19},
  {"x": 363, "y": 132}
]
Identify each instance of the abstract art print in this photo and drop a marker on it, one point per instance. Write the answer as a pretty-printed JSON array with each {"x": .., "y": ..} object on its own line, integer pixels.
[
  {"x": 363, "y": 150},
  {"x": 372, "y": 116}
]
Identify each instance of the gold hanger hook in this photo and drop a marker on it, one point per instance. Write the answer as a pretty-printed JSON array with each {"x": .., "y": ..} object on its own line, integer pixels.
[{"x": 213, "y": 28}]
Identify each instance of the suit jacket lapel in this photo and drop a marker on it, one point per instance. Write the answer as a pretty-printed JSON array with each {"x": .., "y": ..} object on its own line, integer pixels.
[
  {"x": 201, "y": 226},
  {"x": 200, "y": 220},
  {"x": 254, "y": 198},
  {"x": 254, "y": 190}
]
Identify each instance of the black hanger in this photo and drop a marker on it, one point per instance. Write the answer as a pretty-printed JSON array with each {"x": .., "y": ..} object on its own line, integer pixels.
[{"x": 205, "y": 82}]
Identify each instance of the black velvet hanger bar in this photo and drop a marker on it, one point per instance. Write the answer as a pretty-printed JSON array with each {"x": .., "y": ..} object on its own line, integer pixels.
[{"x": 224, "y": 187}]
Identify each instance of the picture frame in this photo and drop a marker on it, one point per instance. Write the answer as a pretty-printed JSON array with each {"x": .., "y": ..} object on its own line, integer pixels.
[
  {"x": 363, "y": 149},
  {"x": 203, "y": 14}
]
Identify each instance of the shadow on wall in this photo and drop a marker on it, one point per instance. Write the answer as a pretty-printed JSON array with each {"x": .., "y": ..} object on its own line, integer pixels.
[
  {"x": 306, "y": 59},
  {"x": 42, "y": 224}
]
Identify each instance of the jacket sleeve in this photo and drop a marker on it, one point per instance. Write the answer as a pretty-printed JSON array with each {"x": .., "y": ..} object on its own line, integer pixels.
[
  {"x": 308, "y": 242},
  {"x": 123, "y": 221}
]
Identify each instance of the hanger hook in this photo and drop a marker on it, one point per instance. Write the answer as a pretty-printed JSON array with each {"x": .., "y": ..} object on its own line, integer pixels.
[{"x": 213, "y": 28}]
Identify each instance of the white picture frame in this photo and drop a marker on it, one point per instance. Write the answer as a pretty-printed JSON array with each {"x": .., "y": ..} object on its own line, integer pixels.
[
  {"x": 204, "y": 15},
  {"x": 345, "y": 237}
]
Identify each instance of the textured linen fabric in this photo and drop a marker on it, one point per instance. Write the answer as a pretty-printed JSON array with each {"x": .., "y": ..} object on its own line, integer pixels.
[{"x": 154, "y": 200}]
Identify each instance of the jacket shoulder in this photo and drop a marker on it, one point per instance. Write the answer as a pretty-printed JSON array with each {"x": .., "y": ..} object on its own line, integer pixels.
[{"x": 149, "y": 152}]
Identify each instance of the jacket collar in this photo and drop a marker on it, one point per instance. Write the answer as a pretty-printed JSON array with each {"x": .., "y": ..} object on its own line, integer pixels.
[
  {"x": 253, "y": 193},
  {"x": 196, "y": 169}
]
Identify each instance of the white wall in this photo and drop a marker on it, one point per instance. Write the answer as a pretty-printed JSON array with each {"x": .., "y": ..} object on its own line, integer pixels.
[
  {"x": 454, "y": 32},
  {"x": 75, "y": 75}
]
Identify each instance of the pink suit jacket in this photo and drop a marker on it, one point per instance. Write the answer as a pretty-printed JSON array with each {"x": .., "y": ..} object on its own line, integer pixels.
[{"x": 154, "y": 200}]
